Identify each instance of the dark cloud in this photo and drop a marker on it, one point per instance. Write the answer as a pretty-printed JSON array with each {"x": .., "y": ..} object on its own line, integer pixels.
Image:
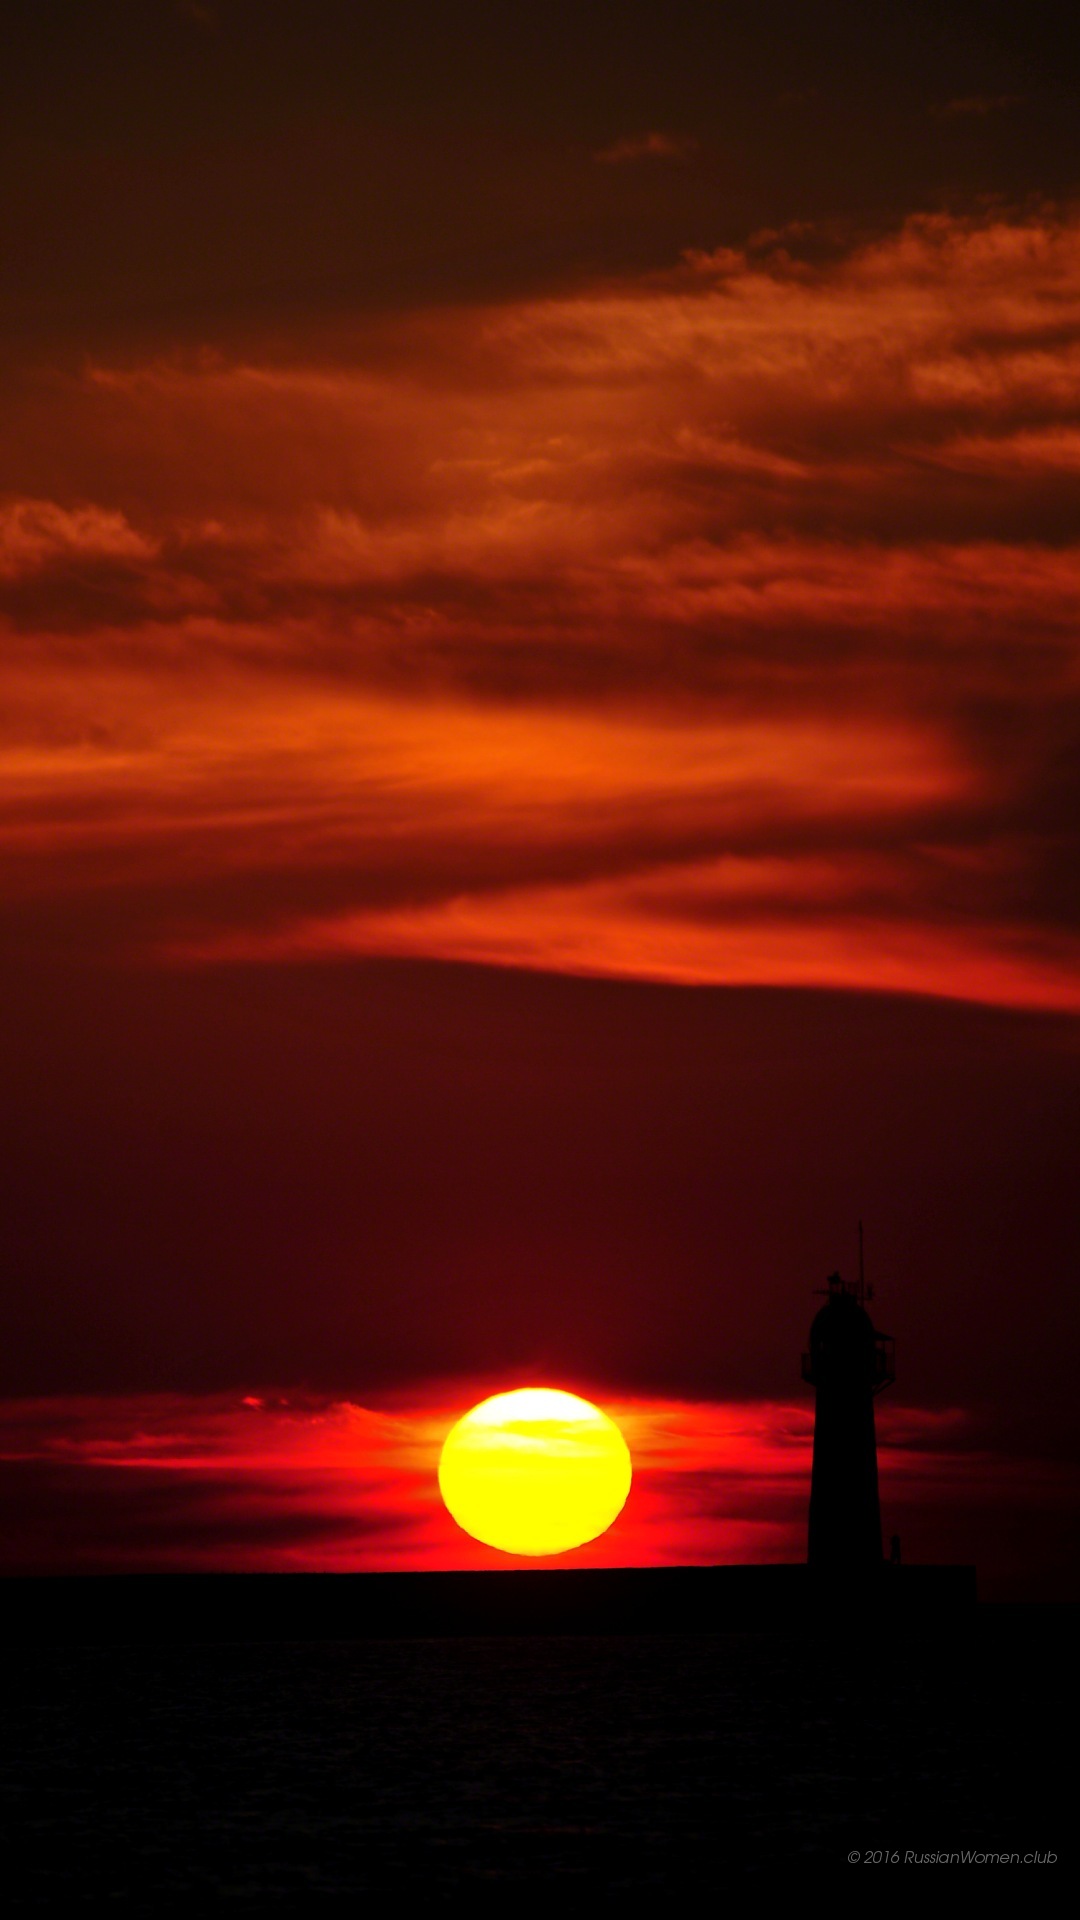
[{"x": 69, "y": 1519}]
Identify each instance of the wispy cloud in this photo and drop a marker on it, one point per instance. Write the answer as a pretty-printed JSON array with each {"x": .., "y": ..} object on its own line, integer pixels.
[
  {"x": 648, "y": 146},
  {"x": 978, "y": 106}
]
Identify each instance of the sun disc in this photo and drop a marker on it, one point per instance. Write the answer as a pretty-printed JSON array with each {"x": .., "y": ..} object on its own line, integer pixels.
[{"x": 535, "y": 1471}]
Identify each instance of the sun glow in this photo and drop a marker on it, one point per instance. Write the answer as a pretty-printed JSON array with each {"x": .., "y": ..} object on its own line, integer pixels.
[{"x": 535, "y": 1471}]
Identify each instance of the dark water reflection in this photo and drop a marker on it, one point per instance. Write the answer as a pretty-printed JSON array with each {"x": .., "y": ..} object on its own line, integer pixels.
[{"x": 262, "y": 1773}]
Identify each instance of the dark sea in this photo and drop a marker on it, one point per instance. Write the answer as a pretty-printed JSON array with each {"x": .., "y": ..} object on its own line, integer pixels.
[{"x": 258, "y": 1775}]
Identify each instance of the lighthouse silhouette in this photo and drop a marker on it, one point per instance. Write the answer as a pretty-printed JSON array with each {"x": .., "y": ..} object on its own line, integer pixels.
[{"x": 849, "y": 1362}]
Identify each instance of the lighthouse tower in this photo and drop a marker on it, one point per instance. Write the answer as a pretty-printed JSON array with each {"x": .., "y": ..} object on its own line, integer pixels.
[{"x": 848, "y": 1363}]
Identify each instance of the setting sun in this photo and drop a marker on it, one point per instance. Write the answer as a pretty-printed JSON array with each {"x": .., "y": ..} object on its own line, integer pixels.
[{"x": 535, "y": 1471}]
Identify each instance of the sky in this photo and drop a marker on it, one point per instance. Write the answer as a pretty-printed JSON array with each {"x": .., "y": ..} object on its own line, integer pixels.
[{"x": 539, "y": 719}]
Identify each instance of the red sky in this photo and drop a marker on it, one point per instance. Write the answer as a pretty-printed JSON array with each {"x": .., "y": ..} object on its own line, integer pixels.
[
  {"x": 538, "y": 701},
  {"x": 166, "y": 1482}
]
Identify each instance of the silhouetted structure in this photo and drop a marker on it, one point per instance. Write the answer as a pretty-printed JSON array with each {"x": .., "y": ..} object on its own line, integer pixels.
[{"x": 848, "y": 1363}]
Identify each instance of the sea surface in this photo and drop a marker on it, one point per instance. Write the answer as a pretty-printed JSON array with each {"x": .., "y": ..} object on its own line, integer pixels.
[{"x": 258, "y": 1774}]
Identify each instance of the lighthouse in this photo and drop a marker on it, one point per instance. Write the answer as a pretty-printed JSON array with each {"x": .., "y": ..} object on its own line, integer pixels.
[{"x": 849, "y": 1362}]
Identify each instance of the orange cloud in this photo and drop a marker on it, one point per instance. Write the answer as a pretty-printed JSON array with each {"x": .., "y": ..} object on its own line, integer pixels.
[
  {"x": 610, "y": 930},
  {"x": 36, "y": 533},
  {"x": 718, "y": 625}
]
